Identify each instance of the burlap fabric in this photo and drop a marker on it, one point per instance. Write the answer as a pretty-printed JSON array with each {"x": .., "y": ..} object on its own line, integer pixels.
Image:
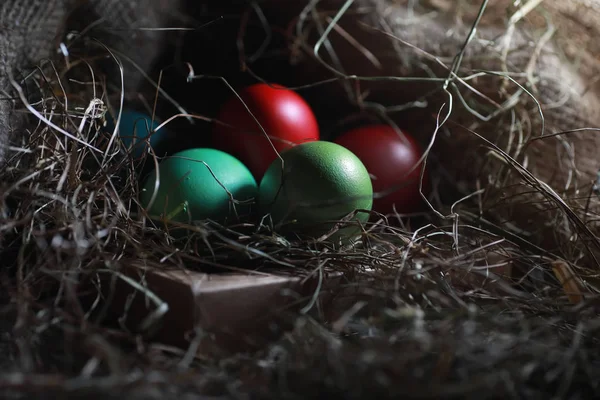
[{"x": 32, "y": 30}]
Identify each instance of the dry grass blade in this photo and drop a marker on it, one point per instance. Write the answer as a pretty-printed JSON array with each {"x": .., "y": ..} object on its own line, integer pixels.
[{"x": 569, "y": 281}]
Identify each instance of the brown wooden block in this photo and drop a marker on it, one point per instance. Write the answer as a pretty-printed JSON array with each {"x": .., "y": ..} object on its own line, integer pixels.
[{"x": 235, "y": 311}]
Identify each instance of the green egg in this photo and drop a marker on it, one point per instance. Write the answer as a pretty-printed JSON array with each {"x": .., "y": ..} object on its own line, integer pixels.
[
  {"x": 196, "y": 184},
  {"x": 320, "y": 183}
]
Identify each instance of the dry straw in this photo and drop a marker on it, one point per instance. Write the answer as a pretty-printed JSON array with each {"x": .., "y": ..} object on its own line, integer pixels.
[{"x": 462, "y": 305}]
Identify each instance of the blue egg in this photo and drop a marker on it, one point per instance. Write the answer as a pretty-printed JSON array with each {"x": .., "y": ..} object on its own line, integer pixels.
[{"x": 135, "y": 129}]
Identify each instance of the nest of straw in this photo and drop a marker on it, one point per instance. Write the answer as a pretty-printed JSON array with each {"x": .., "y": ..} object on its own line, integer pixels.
[{"x": 441, "y": 307}]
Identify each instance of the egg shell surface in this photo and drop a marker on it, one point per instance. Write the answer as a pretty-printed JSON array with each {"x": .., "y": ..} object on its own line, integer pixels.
[
  {"x": 134, "y": 129},
  {"x": 389, "y": 159},
  {"x": 189, "y": 191},
  {"x": 314, "y": 174},
  {"x": 285, "y": 116}
]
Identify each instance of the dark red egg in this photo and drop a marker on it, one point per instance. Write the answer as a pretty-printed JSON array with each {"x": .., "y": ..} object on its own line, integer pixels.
[
  {"x": 389, "y": 158},
  {"x": 285, "y": 116}
]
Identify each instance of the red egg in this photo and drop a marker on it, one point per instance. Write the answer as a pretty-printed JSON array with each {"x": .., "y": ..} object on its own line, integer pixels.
[
  {"x": 284, "y": 115},
  {"x": 389, "y": 158}
]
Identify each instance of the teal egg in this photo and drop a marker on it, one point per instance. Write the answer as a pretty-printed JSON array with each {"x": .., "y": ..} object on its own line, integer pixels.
[
  {"x": 320, "y": 183},
  {"x": 196, "y": 184},
  {"x": 135, "y": 130}
]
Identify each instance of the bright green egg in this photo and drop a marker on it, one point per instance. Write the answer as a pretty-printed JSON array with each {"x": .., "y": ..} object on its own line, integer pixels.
[
  {"x": 320, "y": 183},
  {"x": 197, "y": 184}
]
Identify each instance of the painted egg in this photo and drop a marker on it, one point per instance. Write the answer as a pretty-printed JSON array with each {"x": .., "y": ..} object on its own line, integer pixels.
[
  {"x": 198, "y": 184},
  {"x": 284, "y": 115},
  {"x": 135, "y": 130},
  {"x": 319, "y": 184},
  {"x": 389, "y": 159}
]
